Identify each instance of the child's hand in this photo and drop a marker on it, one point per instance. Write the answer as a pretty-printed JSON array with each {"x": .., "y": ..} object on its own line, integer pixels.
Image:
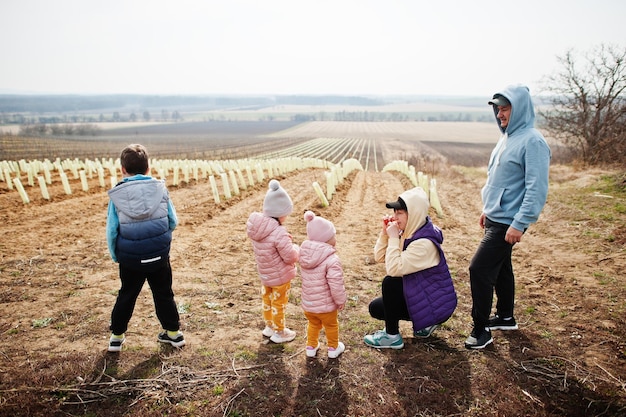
[{"x": 339, "y": 308}]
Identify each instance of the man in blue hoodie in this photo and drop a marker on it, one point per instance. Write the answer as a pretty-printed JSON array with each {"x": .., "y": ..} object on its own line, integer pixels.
[{"x": 513, "y": 197}]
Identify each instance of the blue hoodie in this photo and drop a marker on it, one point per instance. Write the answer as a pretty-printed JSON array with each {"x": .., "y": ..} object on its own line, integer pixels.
[{"x": 517, "y": 174}]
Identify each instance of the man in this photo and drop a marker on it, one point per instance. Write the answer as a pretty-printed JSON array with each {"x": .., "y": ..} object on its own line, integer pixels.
[{"x": 513, "y": 197}]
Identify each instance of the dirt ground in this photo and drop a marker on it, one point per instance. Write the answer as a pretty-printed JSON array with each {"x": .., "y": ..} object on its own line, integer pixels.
[{"x": 58, "y": 285}]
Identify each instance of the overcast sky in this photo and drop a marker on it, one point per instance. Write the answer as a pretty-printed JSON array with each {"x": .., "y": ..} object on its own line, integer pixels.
[{"x": 454, "y": 47}]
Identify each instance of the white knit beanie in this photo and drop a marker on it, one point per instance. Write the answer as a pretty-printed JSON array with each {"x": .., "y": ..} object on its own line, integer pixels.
[
  {"x": 318, "y": 228},
  {"x": 277, "y": 202}
]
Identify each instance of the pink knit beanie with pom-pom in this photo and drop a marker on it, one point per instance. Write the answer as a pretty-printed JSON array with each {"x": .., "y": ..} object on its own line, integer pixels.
[{"x": 318, "y": 228}]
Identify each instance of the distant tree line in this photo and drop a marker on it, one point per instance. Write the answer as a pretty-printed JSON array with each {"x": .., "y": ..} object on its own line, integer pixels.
[
  {"x": 42, "y": 129},
  {"x": 13, "y": 103},
  {"x": 21, "y": 119},
  {"x": 365, "y": 116}
]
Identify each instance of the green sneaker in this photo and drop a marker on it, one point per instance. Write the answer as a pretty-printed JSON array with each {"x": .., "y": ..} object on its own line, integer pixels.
[
  {"x": 382, "y": 340},
  {"x": 426, "y": 331}
]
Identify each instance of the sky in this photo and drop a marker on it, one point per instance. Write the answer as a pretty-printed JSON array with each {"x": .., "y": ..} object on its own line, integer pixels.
[{"x": 290, "y": 47}]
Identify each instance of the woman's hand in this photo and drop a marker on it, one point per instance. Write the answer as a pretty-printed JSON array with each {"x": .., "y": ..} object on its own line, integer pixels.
[
  {"x": 386, "y": 220},
  {"x": 392, "y": 229}
]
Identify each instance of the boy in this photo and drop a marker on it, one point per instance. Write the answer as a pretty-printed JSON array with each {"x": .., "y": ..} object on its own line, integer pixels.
[{"x": 140, "y": 221}]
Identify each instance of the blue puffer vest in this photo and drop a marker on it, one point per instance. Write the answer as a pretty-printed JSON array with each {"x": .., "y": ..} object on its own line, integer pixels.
[
  {"x": 144, "y": 234},
  {"x": 429, "y": 294}
]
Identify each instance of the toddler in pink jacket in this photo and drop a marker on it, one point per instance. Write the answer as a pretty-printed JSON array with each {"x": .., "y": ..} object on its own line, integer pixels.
[
  {"x": 276, "y": 256},
  {"x": 323, "y": 291}
]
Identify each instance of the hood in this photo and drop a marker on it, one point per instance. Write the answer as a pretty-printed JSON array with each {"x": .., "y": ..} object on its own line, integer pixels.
[
  {"x": 313, "y": 253},
  {"x": 259, "y": 226},
  {"x": 138, "y": 197},
  {"x": 522, "y": 111},
  {"x": 417, "y": 206}
]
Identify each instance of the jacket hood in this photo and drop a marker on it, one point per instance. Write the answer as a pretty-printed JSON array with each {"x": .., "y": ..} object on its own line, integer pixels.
[
  {"x": 417, "y": 206},
  {"x": 522, "y": 111},
  {"x": 313, "y": 253},
  {"x": 259, "y": 226},
  {"x": 138, "y": 197}
]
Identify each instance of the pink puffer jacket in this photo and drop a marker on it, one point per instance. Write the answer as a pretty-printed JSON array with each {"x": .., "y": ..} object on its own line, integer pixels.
[
  {"x": 323, "y": 288},
  {"x": 276, "y": 254}
]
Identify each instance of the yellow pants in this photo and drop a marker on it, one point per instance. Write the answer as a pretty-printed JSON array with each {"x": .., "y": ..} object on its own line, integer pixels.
[
  {"x": 329, "y": 322},
  {"x": 274, "y": 301}
]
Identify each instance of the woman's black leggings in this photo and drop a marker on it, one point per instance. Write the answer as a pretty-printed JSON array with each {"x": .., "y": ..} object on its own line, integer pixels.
[{"x": 391, "y": 307}]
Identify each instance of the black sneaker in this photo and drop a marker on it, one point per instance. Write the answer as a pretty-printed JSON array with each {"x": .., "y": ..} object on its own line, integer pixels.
[
  {"x": 498, "y": 323},
  {"x": 178, "y": 341},
  {"x": 115, "y": 344},
  {"x": 478, "y": 339}
]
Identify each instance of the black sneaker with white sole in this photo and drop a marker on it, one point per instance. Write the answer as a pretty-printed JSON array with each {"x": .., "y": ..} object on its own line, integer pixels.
[
  {"x": 498, "y": 323},
  {"x": 478, "y": 339},
  {"x": 115, "y": 344},
  {"x": 178, "y": 341}
]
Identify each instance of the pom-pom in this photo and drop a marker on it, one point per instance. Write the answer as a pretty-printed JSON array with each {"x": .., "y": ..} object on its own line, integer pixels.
[
  {"x": 274, "y": 185},
  {"x": 309, "y": 215}
]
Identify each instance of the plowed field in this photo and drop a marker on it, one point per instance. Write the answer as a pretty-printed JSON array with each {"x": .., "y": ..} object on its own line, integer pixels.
[{"x": 58, "y": 285}]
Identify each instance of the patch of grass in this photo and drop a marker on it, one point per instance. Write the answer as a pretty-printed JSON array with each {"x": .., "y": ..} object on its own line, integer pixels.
[
  {"x": 39, "y": 323},
  {"x": 184, "y": 308},
  {"x": 246, "y": 355},
  {"x": 614, "y": 185},
  {"x": 206, "y": 352}
]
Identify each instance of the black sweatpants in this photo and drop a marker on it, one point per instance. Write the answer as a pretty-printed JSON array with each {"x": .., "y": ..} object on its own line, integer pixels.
[
  {"x": 491, "y": 268},
  {"x": 159, "y": 277}
]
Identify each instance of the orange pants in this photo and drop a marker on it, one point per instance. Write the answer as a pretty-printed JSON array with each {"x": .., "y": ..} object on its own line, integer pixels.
[
  {"x": 329, "y": 322},
  {"x": 274, "y": 302}
]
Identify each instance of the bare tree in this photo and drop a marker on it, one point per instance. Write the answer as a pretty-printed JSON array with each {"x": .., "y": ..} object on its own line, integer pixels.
[{"x": 587, "y": 98}]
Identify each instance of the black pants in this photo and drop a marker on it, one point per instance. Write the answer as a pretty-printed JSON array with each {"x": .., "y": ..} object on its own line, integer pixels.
[
  {"x": 159, "y": 277},
  {"x": 491, "y": 268},
  {"x": 391, "y": 307}
]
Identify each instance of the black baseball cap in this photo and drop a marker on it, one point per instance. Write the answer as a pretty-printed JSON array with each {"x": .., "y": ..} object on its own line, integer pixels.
[
  {"x": 499, "y": 100},
  {"x": 397, "y": 205}
]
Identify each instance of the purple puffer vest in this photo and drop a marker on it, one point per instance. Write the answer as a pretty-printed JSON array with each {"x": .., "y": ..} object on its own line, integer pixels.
[{"x": 429, "y": 294}]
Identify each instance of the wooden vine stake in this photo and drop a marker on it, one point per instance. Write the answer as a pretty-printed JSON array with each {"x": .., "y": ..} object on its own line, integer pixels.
[
  {"x": 20, "y": 189},
  {"x": 43, "y": 187},
  {"x": 320, "y": 194}
]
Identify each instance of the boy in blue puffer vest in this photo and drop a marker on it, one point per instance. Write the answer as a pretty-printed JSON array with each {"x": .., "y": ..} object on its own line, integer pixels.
[{"x": 140, "y": 221}]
